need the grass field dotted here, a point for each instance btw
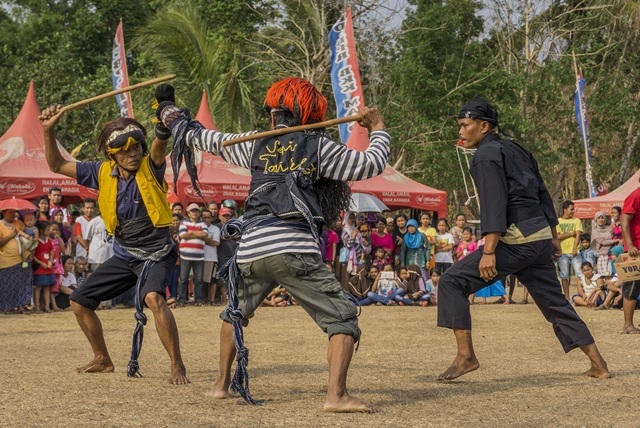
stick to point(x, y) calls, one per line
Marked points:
point(525, 379)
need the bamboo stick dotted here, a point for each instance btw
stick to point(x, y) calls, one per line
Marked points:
point(118, 91)
point(282, 131)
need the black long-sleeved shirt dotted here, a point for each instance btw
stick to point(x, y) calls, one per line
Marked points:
point(513, 197)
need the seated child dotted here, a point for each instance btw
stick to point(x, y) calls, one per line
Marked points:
point(431, 287)
point(590, 288)
point(386, 288)
point(613, 293)
point(362, 283)
point(277, 297)
point(67, 283)
point(415, 292)
point(80, 270)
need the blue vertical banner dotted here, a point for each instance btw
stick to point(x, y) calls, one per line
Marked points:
point(345, 81)
point(119, 75)
point(583, 125)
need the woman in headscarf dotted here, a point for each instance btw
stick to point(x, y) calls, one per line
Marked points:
point(601, 242)
point(415, 292)
point(415, 248)
point(352, 240)
point(57, 216)
point(15, 279)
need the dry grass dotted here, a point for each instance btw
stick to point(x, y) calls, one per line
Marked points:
point(525, 379)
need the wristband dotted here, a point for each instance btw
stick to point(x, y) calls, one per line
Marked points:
point(488, 254)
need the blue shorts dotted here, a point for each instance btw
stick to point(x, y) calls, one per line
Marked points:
point(44, 280)
point(564, 266)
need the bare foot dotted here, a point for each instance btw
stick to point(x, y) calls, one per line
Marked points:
point(630, 330)
point(219, 390)
point(347, 404)
point(97, 366)
point(459, 366)
point(601, 372)
point(179, 376)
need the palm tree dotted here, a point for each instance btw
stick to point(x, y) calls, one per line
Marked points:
point(179, 42)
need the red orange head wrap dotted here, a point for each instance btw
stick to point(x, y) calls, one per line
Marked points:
point(298, 96)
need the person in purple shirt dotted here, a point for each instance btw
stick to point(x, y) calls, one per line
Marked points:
point(131, 185)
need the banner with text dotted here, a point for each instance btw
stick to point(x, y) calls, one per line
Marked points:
point(583, 126)
point(119, 74)
point(345, 80)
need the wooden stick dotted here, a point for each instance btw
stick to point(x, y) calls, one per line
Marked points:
point(118, 91)
point(282, 131)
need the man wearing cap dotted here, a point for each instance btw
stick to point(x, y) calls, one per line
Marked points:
point(193, 234)
point(518, 224)
point(133, 204)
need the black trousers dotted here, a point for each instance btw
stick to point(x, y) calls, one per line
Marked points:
point(116, 276)
point(532, 264)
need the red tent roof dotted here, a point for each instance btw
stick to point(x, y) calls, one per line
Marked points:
point(219, 180)
point(24, 172)
point(398, 191)
point(587, 208)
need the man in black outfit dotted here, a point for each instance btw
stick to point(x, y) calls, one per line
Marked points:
point(518, 221)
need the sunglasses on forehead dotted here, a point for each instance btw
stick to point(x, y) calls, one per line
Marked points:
point(124, 139)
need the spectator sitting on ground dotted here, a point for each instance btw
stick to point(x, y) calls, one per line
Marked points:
point(68, 283)
point(277, 297)
point(432, 286)
point(613, 297)
point(80, 270)
point(590, 288)
point(362, 283)
point(386, 288)
point(415, 292)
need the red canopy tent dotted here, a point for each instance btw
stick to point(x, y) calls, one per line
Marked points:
point(24, 172)
point(398, 191)
point(218, 180)
point(587, 208)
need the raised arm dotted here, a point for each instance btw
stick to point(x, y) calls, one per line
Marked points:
point(49, 118)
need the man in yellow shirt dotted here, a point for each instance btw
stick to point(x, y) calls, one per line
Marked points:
point(569, 229)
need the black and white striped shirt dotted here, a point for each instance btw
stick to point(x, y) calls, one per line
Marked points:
point(336, 162)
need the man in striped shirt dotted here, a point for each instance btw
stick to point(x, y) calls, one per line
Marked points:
point(282, 248)
point(192, 234)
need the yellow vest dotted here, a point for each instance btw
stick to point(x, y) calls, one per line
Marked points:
point(154, 195)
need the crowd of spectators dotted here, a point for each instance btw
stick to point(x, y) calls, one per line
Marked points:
point(45, 254)
point(378, 259)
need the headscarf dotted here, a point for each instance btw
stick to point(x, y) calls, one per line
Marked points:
point(413, 240)
point(413, 283)
point(345, 223)
point(600, 234)
point(65, 234)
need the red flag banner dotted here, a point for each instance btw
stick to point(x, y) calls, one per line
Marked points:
point(345, 80)
point(119, 74)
